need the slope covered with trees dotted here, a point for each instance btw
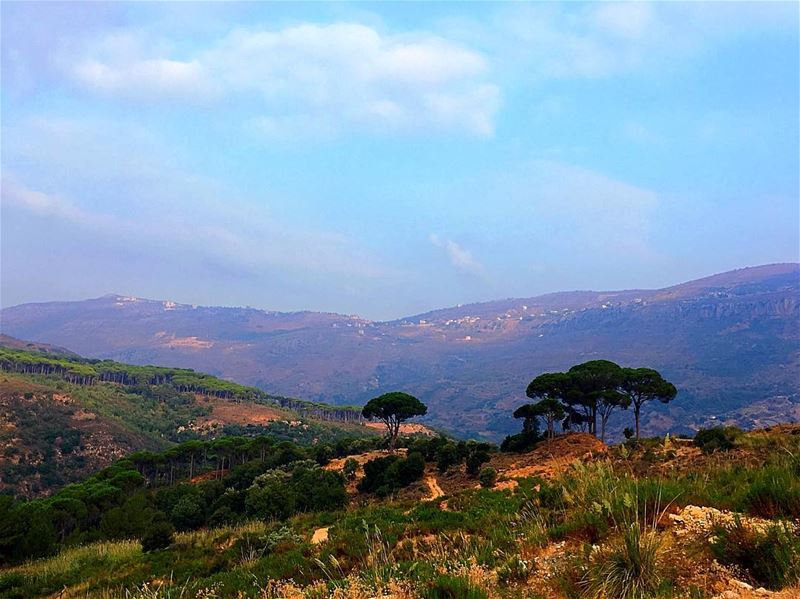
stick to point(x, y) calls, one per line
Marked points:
point(64, 416)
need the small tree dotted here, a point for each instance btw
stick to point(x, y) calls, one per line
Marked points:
point(529, 416)
point(350, 468)
point(487, 477)
point(393, 409)
point(158, 534)
point(641, 385)
point(477, 455)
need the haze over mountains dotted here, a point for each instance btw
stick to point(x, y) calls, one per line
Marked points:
point(729, 342)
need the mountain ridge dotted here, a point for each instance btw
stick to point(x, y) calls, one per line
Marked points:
point(731, 340)
point(776, 268)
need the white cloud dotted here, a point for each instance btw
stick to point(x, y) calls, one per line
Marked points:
point(626, 20)
point(534, 42)
point(460, 257)
point(139, 196)
point(152, 78)
point(345, 74)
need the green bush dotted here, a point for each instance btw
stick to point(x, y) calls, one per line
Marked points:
point(719, 438)
point(350, 468)
point(447, 456)
point(453, 587)
point(487, 477)
point(158, 535)
point(775, 493)
point(520, 442)
point(771, 557)
point(514, 570)
point(383, 476)
point(476, 458)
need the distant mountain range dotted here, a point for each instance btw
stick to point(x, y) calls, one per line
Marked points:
point(729, 342)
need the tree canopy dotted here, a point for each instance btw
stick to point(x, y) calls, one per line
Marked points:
point(393, 409)
point(590, 391)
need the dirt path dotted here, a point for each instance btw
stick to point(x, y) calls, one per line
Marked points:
point(434, 488)
point(320, 535)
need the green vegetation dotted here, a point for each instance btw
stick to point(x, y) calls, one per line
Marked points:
point(582, 395)
point(147, 494)
point(257, 515)
point(61, 427)
point(631, 567)
point(383, 476)
point(252, 525)
point(719, 438)
point(85, 371)
point(487, 477)
point(771, 557)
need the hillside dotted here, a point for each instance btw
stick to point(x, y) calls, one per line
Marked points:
point(572, 518)
point(63, 417)
point(729, 342)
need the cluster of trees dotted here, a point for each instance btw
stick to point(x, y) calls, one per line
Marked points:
point(88, 372)
point(447, 453)
point(584, 397)
point(148, 495)
point(215, 458)
point(384, 476)
point(82, 371)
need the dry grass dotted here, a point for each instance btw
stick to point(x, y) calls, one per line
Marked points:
point(71, 559)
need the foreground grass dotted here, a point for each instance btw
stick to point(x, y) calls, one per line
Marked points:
point(593, 532)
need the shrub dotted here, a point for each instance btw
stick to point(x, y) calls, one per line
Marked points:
point(775, 493)
point(771, 557)
point(476, 459)
point(350, 468)
point(222, 516)
point(323, 454)
point(447, 456)
point(487, 477)
point(454, 587)
point(514, 569)
point(383, 476)
point(720, 438)
point(520, 442)
point(630, 569)
point(158, 535)
point(282, 537)
point(187, 513)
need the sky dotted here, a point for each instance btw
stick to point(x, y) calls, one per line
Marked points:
point(387, 159)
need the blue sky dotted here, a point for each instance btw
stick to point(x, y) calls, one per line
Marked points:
point(385, 159)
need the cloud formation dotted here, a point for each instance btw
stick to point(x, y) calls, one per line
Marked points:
point(341, 74)
point(149, 202)
point(460, 257)
point(536, 42)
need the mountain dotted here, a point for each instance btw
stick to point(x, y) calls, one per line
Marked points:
point(45, 348)
point(729, 342)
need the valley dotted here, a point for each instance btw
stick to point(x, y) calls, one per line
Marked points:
point(729, 342)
